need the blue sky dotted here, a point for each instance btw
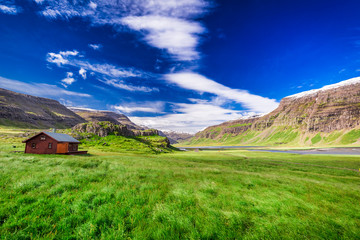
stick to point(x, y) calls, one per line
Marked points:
point(177, 64)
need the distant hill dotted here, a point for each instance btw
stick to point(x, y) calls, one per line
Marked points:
point(176, 137)
point(17, 109)
point(326, 116)
point(101, 116)
point(91, 115)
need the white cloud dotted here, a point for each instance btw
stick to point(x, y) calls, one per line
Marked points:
point(72, 58)
point(82, 73)
point(95, 46)
point(166, 24)
point(61, 58)
point(38, 89)
point(121, 85)
point(199, 83)
point(148, 107)
point(10, 9)
point(92, 5)
point(190, 117)
point(104, 71)
point(179, 37)
point(68, 80)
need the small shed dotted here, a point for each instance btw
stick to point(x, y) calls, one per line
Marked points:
point(52, 143)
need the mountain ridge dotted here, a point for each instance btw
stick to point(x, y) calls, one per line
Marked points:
point(25, 110)
point(333, 109)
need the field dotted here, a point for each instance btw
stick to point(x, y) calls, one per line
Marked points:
point(233, 194)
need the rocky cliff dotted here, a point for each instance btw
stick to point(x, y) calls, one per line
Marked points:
point(331, 109)
point(105, 128)
point(101, 116)
point(23, 110)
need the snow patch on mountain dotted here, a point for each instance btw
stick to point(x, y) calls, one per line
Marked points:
point(348, 82)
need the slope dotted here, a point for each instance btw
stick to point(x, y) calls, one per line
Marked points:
point(326, 116)
point(23, 110)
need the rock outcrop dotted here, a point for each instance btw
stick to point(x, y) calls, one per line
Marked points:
point(106, 128)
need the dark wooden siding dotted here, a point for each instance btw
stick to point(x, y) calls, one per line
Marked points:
point(42, 146)
point(73, 147)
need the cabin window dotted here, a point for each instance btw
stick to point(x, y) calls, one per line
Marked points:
point(33, 145)
point(42, 138)
point(50, 145)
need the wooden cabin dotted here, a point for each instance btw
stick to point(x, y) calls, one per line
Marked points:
point(52, 143)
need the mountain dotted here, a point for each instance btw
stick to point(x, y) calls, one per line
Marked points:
point(91, 115)
point(17, 109)
point(330, 115)
point(176, 137)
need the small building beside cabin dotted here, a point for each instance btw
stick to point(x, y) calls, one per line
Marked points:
point(52, 143)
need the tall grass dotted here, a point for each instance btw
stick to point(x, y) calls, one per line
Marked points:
point(183, 195)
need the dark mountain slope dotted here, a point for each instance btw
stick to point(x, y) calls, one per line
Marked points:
point(23, 110)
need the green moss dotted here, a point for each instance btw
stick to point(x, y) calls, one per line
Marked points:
point(350, 137)
point(282, 136)
point(332, 137)
point(316, 139)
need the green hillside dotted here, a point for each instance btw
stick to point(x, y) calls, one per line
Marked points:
point(278, 136)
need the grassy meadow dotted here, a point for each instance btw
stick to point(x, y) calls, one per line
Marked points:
point(232, 194)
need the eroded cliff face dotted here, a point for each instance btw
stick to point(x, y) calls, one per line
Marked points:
point(26, 110)
point(324, 111)
point(101, 116)
point(318, 111)
point(106, 128)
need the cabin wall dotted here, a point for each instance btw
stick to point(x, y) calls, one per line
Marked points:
point(41, 146)
point(62, 148)
point(73, 147)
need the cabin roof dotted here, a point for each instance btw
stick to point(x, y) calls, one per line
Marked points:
point(60, 137)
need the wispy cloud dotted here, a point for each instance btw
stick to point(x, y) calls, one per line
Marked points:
point(148, 107)
point(38, 89)
point(199, 83)
point(179, 37)
point(121, 85)
point(72, 58)
point(61, 58)
point(95, 46)
point(107, 73)
point(169, 25)
point(191, 117)
point(9, 7)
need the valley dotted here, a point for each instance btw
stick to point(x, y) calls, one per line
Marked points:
point(133, 184)
point(183, 195)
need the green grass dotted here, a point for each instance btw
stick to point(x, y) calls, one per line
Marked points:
point(182, 195)
point(351, 137)
point(140, 144)
point(317, 138)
